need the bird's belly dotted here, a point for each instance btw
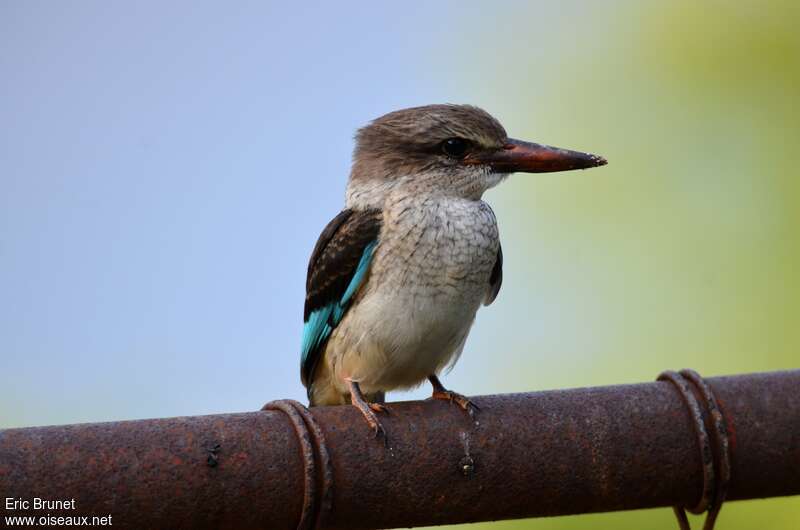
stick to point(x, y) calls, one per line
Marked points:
point(391, 342)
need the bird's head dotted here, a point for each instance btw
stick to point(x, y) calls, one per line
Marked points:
point(456, 150)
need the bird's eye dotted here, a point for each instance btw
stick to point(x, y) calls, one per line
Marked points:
point(455, 147)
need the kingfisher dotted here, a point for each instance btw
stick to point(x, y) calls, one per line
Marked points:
point(396, 278)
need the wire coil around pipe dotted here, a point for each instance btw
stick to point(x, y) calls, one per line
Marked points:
point(318, 491)
point(714, 447)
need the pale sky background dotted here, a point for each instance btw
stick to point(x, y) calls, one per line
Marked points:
point(166, 167)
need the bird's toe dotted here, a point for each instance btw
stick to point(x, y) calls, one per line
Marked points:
point(454, 397)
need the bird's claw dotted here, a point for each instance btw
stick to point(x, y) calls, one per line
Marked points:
point(379, 407)
point(368, 410)
point(372, 420)
point(379, 432)
point(454, 397)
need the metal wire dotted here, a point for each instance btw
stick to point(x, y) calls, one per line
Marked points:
point(308, 431)
point(715, 457)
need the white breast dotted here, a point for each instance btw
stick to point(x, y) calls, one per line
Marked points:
point(428, 278)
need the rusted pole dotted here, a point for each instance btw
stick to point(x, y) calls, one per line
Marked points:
point(525, 455)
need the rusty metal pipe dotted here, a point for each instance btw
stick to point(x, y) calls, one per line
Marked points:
point(527, 455)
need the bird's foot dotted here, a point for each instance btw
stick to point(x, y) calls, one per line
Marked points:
point(440, 392)
point(460, 400)
point(368, 410)
point(379, 407)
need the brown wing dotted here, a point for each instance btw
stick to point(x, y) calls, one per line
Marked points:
point(496, 279)
point(333, 266)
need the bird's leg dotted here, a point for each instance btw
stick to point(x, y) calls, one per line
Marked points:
point(367, 409)
point(440, 392)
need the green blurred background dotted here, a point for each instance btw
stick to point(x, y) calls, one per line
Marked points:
point(155, 225)
point(685, 250)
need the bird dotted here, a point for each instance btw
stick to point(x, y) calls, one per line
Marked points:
point(396, 278)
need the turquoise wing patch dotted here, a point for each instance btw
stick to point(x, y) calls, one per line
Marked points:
point(322, 321)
